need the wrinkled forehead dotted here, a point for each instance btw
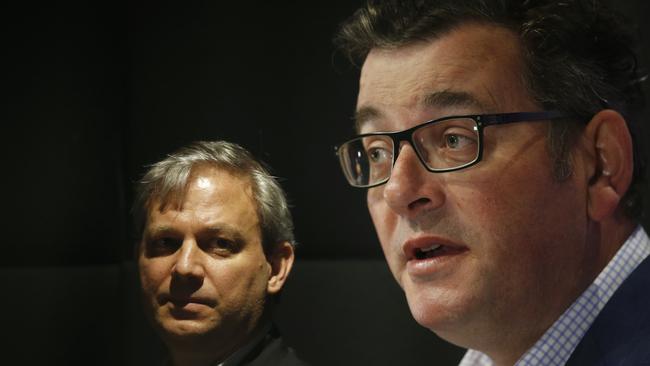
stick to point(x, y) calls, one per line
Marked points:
point(473, 67)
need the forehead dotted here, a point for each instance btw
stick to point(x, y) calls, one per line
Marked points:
point(474, 68)
point(211, 194)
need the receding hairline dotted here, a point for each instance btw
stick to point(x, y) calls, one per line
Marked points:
point(449, 97)
point(357, 55)
point(176, 196)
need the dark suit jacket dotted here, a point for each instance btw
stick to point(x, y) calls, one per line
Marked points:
point(620, 335)
point(271, 351)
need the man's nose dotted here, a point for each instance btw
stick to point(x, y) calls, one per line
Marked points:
point(411, 187)
point(189, 262)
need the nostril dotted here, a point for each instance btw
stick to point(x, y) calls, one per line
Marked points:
point(185, 285)
point(423, 201)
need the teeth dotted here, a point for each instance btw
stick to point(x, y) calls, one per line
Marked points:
point(431, 248)
point(427, 252)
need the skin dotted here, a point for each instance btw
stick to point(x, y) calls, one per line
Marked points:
point(205, 277)
point(524, 245)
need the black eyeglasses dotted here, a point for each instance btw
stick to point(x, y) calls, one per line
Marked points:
point(442, 145)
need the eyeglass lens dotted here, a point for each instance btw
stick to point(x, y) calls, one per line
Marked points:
point(442, 145)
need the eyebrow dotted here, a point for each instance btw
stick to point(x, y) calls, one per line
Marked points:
point(364, 115)
point(450, 98)
point(225, 229)
point(159, 230)
point(439, 99)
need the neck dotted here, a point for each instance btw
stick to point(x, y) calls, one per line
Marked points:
point(202, 353)
point(209, 352)
point(603, 239)
point(612, 234)
point(183, 358)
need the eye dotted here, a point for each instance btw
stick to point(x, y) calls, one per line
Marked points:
point(162, 246)
point(378, 155)
point(221, 246)
point(458, 140)
point(453, 141)
point(377, 150)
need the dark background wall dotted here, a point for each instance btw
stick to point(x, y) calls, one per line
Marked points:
point(96, 90)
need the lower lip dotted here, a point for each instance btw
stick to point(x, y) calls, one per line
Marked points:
point(427, 267)
point(186, 309)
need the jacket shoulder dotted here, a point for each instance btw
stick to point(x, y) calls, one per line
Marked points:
point(620, 335)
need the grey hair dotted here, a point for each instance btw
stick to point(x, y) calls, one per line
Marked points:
point(166, 181)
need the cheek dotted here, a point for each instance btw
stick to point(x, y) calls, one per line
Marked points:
point(152, 275)
point(520, 228)
point(382, 217)
point(241, 281)
point(385, 222)
point(486, 220)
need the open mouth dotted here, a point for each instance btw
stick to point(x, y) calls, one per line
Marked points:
point(435, 251)
point(429, 252)
point(428, 256)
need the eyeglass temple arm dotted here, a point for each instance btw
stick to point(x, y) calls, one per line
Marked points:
point(497, 119)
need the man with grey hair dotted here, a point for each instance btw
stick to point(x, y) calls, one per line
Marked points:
point(216, 246)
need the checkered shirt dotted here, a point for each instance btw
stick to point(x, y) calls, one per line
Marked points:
point(559, 341)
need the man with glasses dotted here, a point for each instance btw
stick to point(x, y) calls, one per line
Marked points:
point(494, 141)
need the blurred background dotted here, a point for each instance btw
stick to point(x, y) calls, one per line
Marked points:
point(97, 90)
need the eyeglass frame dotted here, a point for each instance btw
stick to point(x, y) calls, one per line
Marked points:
point(481, 120)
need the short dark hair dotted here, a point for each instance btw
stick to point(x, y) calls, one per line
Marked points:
point(167, 182)
point(579, 58)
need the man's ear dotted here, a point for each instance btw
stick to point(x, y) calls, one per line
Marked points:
point(611, 174)
point(281, 260)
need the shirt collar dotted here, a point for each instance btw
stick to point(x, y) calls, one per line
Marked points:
point(559, 341)
point(236, 358)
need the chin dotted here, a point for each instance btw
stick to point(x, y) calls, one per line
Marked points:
point(428, 315)
point(446, 315)
point(183, 331)
point(437, 311)
point(183, 327)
